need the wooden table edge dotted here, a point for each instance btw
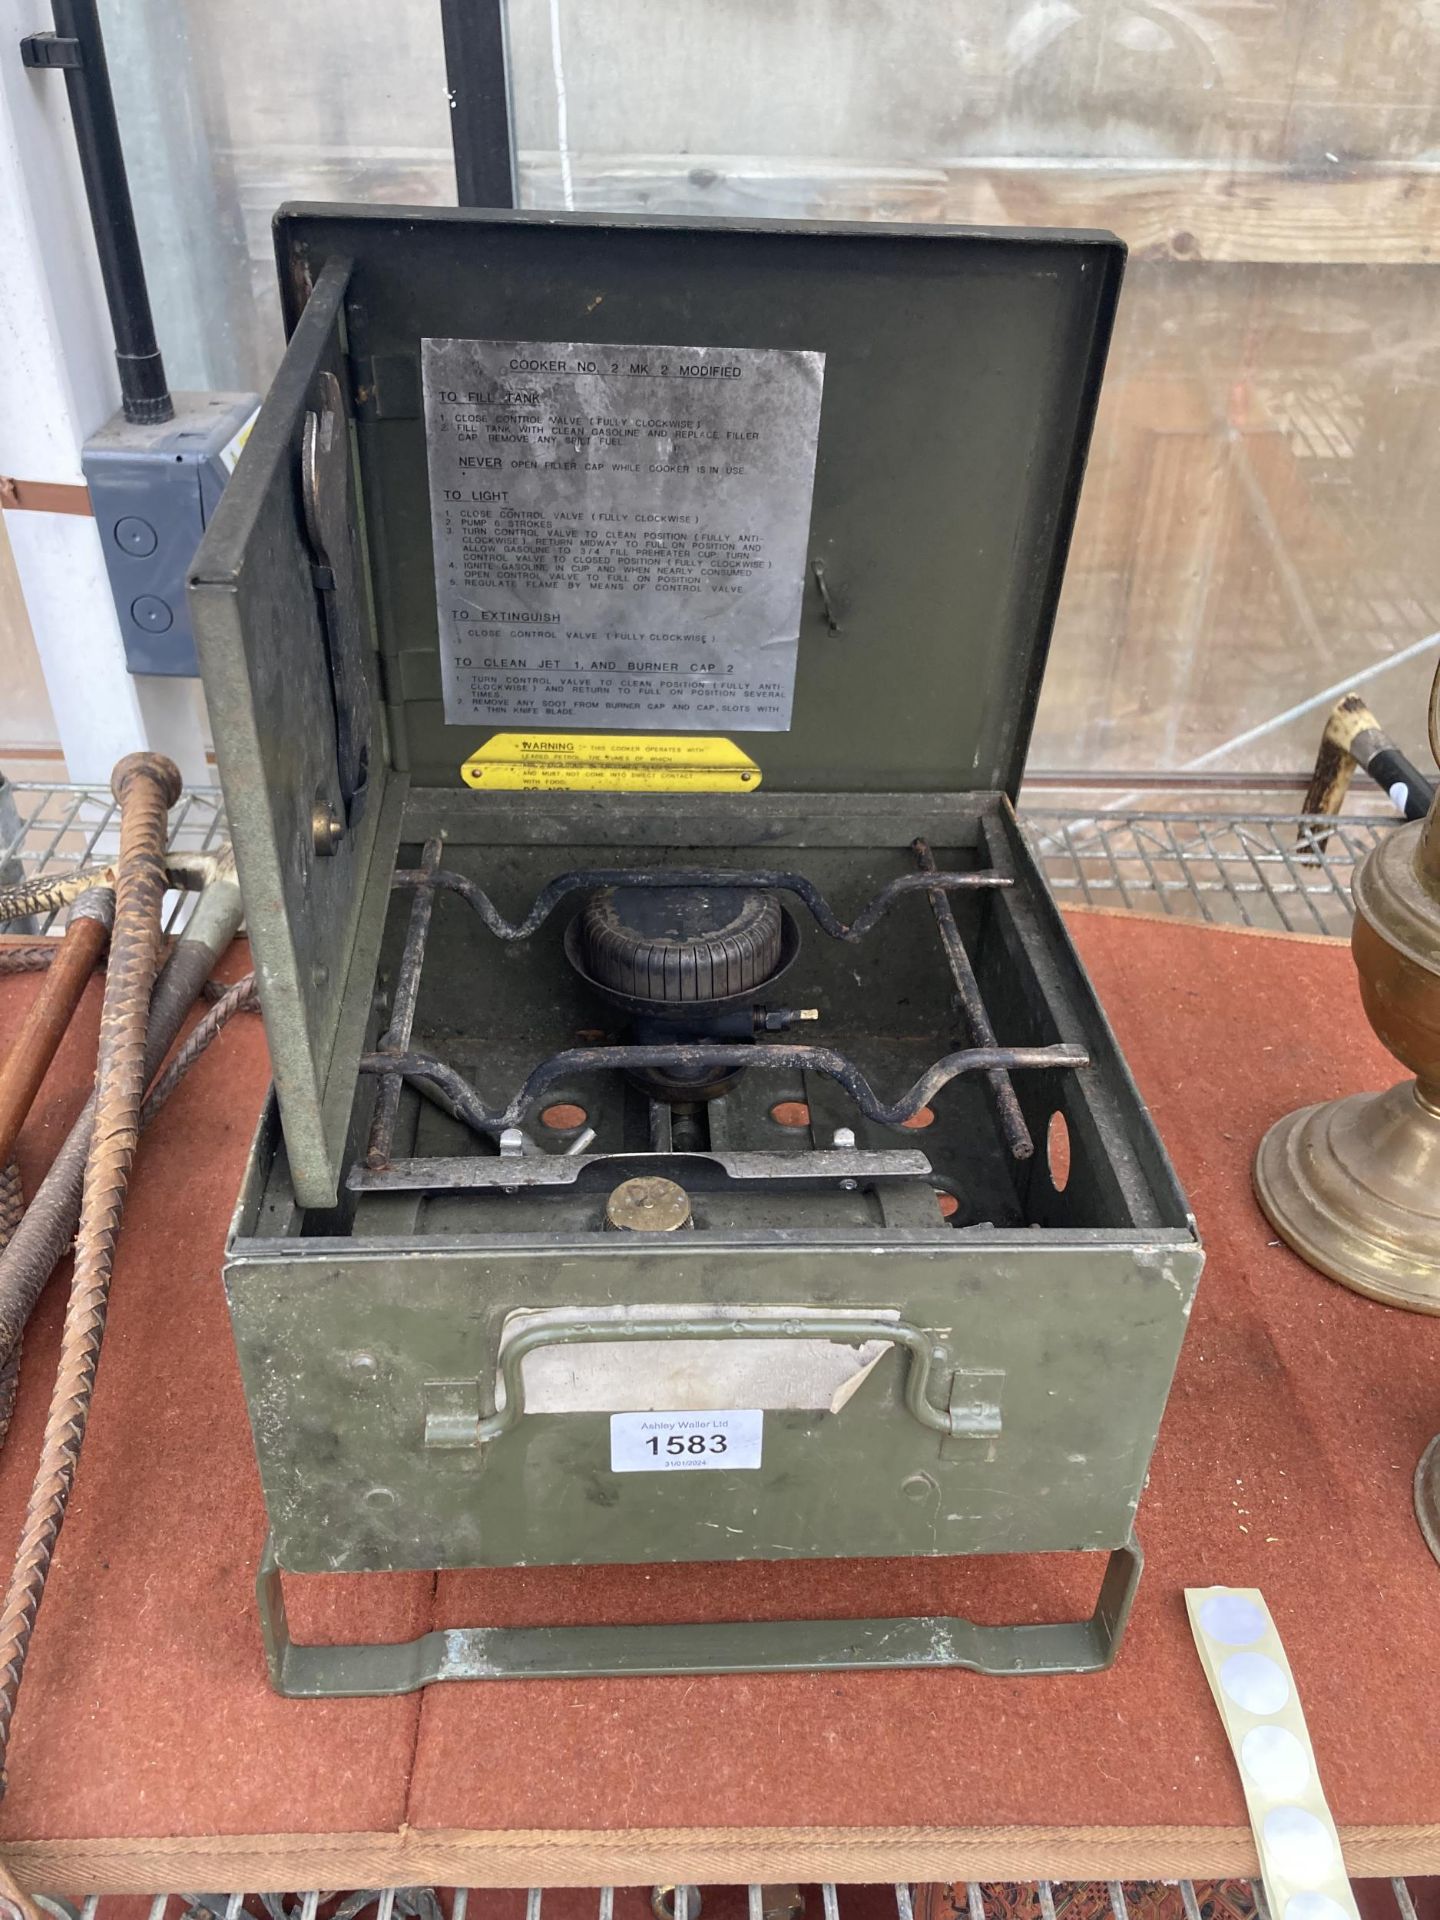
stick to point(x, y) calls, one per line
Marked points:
point(411, 1856)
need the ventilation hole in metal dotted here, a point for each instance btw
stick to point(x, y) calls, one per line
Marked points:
point(1057, 1152)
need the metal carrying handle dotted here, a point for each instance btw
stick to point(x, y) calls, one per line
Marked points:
point(920, 1345)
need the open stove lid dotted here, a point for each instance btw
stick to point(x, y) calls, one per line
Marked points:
point(961, 372)
point(905, 542)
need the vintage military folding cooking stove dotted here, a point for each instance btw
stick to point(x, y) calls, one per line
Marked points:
point(570, 1237)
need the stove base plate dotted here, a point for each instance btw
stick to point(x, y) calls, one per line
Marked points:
point(696, 1647)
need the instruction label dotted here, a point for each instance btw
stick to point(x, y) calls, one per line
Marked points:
point(620, 532)
point(613, 763)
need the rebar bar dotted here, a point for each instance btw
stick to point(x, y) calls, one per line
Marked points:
point(25, 1068)
point(239, 998)
point(47, 893)
point(48, 1227)
point(146, 787)
point(51, 1011)
point(51, 891)
point(12, 1212)
point(41, 1234)
point(29, 959)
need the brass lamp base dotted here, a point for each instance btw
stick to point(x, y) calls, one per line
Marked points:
point(1427, 1495)
point(1354, 1187)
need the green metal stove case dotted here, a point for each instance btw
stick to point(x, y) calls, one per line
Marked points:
point(694, 1136)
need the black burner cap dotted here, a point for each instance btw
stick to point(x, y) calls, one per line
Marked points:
point(674, 945)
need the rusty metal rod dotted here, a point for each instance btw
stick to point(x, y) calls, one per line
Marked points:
point(979, 1031)
point(146, 787)
point(70, 962)
point(12, 1212)
point(48, 1226)
point(396, 1037)
point(38, 1040)
point(28, 957)
point(241, 997)
point(700, 1056)
point(47, 893)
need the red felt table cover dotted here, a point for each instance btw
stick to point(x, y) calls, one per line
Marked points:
point(1284, 1462)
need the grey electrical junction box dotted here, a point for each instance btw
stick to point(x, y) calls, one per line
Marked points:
point(154, 490)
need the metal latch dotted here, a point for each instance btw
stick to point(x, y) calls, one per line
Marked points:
point(452, 1410)
point(975, 1402)
point(327, 488)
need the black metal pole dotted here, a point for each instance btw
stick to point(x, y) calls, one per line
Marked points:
point(477, 72)
point(78, 49)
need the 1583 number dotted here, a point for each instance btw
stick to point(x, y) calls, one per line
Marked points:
point(726, 1440)
point(687, 1443)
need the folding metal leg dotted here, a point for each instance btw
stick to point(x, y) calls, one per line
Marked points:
point(745, 1646)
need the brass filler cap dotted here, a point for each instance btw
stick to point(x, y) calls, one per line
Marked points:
point(648, 1205)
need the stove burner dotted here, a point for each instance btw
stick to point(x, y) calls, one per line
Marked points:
point(681, 945)
point(685, 963)
point(663, 1042)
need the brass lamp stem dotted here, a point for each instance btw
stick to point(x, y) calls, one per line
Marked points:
point(1354, 1185)
point(1428, 856)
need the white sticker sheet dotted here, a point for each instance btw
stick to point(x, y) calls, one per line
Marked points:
point(1254, 1688)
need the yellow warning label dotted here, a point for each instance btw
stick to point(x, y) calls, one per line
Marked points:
point(609, 763)
point(233, 448)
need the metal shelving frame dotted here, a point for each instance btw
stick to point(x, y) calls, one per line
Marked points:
point(1053, 1900)
point(1286, 873)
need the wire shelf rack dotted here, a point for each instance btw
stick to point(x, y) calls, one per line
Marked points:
point(962, 1900)
point(60, 829)
point(1285, 873)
